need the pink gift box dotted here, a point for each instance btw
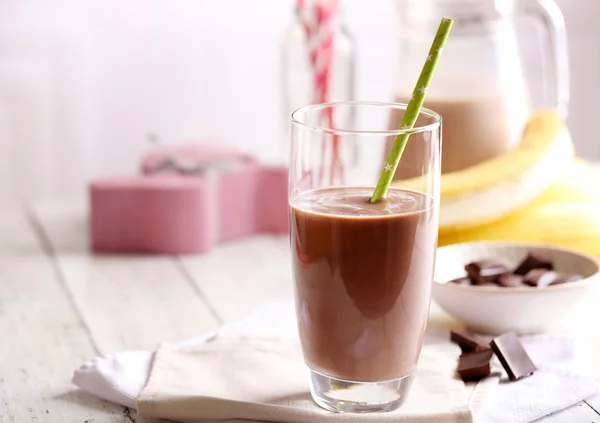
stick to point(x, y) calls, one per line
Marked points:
point(187, 199)
point(253, 200)
point(162, 214)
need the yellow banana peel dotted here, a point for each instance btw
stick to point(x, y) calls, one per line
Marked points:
point(500, 186)
point(538, 193)
point(567, 214)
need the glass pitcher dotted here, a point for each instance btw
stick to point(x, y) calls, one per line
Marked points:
point(504, 59)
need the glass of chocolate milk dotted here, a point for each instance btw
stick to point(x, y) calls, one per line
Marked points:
point(363, 271)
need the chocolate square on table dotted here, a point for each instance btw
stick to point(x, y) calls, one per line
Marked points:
point(467, 342)
point(473, 366)
point(487, 270)
point(512, 356)
point(534, 261)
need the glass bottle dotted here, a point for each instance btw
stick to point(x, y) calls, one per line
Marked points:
point(305, 57)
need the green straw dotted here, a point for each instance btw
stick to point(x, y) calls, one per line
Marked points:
point(412, 110)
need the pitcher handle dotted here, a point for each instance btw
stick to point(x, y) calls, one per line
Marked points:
point(550, 14)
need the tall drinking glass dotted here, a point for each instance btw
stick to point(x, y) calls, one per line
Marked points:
point(363, 271)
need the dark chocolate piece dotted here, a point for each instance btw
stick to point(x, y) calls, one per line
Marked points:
point(534, 261)
point(513, 356)
point(486, 270)
point(561, 278)
point(468, 343)
point(510, 280)
point(465, 280)
point(540, 278)
point(474, 365)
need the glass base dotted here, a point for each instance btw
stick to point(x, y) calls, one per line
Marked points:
point(345, 396)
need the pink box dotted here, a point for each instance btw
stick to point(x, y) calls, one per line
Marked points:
point(160, 214)
point(187, 199)
point(253, 200)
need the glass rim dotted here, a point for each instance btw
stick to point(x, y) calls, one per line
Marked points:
point(398, 106)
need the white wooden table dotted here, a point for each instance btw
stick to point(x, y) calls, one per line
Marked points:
point(60, 305)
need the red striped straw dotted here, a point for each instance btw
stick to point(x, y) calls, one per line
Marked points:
point(319, 20)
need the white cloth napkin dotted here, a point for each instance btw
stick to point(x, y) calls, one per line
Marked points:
point(563, 378)
point(265, 380)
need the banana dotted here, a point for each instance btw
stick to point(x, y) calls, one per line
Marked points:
point(566, 214)
point(498, 187)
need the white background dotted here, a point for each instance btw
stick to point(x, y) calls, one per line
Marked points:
point(85, 83)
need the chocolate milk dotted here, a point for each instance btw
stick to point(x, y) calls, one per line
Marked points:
point(474, 129)
point(363, 275)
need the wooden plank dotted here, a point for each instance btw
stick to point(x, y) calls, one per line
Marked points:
point(578, 413)
point(43, 337)
point(126, 301)
point(239, 276)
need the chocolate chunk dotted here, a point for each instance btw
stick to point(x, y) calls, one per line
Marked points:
point(561, 278)
point(534, 261)
point(540, 278)
point(468, 343)
point(474, 365)
point(461, 281)
point(510, 280)
point(486, 270)
point(513, 356)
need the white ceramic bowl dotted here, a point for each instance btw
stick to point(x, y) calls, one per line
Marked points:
point(498, 310)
